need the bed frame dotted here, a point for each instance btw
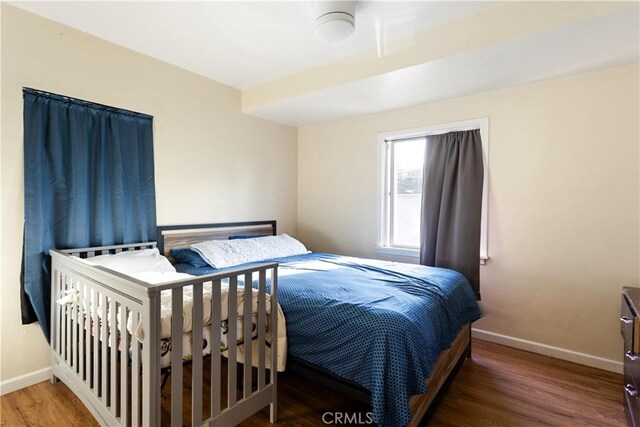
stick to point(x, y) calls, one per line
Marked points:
point(118, 377)
point(422, 405)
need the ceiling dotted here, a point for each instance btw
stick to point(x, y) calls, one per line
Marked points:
point(401, 54)
point(238, 43)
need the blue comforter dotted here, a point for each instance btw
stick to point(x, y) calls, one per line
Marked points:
point(378, 323)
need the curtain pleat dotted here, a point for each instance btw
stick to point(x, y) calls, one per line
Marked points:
point(89, 181)
point(452, 204)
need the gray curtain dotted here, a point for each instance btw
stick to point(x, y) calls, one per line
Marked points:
point(452, 204)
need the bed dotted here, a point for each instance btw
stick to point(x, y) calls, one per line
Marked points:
point(111, 329)
point(392, 334)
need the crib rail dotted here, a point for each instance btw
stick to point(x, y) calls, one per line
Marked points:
point(116, 372)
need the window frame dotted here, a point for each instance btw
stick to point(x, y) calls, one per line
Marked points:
point(385, 170)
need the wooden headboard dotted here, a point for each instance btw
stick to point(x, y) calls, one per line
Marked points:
point(181, 236)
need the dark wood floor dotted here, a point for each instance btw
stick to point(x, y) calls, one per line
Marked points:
point(498, 386)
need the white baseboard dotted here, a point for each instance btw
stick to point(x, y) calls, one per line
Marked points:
point(549, 350)
point(25, 380)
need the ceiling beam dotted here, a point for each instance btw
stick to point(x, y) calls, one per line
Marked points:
point(497, 24)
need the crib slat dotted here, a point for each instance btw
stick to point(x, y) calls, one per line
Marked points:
point(74, 329)
point(81, 323)
point(87, 335)
point(248, 332)
point(151, 362)
point(262, 278)
point(64, 322)
point(176, 357)
point(104, 344)
point(61, 316)
point(95, 335)
point(273, 375)
point(215, 348)
point(135, 371)
point(232, 342)
point(124, 364)
point(69, 321)
point(62, 313)
point(196, 378)
point(113, 340)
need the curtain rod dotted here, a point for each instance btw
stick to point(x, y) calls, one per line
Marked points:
point(84, 102)
point(408, 138)
point(424, 135)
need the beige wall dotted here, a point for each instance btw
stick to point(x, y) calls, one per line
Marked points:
point(212, 162)
point(563, 205)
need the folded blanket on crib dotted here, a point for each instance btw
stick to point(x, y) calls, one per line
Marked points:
point(187, 316)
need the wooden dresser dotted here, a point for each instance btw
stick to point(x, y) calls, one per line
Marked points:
point(630, 327)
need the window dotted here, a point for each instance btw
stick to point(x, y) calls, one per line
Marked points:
point(401, 161)
point(405, 191)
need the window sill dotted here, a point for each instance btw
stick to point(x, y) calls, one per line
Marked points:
point(410, 253)
point(404, 252)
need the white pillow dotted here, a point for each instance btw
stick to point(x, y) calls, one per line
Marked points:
point(130, 262)
point(227, 253)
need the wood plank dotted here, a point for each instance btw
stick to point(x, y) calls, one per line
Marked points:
point(420, 404)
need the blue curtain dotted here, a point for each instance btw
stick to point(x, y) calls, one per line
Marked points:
point(89, 181)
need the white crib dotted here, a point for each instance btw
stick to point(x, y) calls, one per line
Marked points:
point(118, 376)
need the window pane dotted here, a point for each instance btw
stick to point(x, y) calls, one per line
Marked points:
point(408, 157)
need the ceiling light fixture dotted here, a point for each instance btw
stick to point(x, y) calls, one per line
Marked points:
point(334, 20)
